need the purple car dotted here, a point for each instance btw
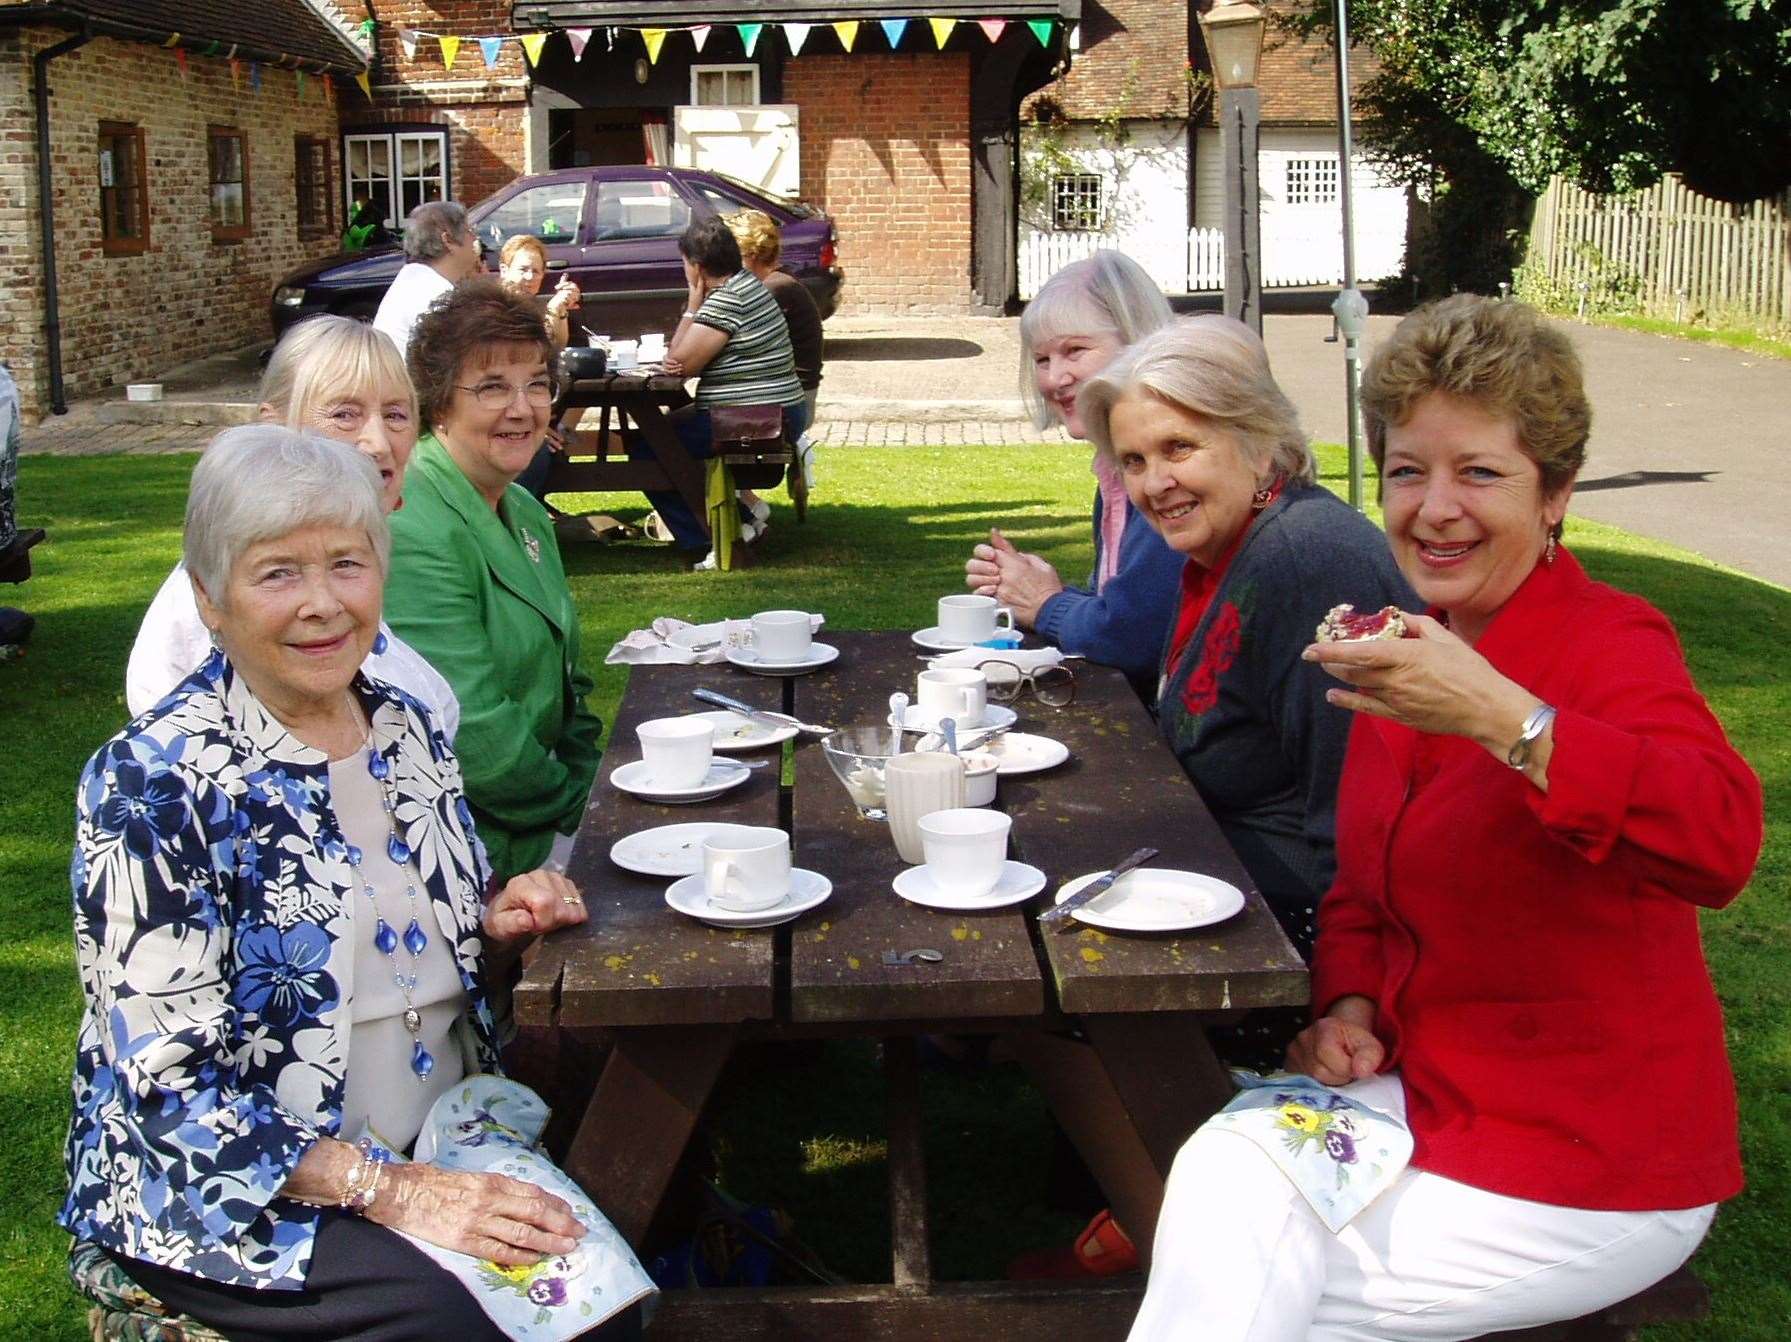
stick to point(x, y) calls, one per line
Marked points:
point(613, 229)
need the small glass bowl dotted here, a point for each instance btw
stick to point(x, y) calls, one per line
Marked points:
point(859, 755)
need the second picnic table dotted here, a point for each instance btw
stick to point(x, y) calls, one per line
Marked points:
point(1111, 1027)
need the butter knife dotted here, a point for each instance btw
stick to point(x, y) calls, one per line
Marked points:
point(1095, 888)
point(760, 714)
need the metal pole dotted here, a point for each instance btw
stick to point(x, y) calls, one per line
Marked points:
point(1350, 308)
point(46, 211)
point(1239, 132)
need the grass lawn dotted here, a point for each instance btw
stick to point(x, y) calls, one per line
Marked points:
point(878, 548)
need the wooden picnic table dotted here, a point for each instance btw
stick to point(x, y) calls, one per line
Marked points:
point(1111, 1027)
point(639, 402)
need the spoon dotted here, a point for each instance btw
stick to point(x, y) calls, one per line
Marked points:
point(948, 728)
point(898, 712)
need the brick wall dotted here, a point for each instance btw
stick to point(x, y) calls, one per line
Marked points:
point(484, 109)
point(127, 318)
point(886, 152)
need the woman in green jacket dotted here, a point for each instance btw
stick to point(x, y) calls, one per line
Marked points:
point(476, 584)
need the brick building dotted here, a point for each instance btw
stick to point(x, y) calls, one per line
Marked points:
point(183, 181)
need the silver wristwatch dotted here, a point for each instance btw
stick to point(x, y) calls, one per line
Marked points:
point(1534, 726)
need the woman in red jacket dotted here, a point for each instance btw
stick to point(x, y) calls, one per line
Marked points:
point(1535, 804)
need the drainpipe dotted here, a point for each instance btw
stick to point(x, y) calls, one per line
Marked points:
point(46, 210)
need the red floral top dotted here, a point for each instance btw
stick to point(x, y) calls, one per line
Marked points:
point(1220, 650)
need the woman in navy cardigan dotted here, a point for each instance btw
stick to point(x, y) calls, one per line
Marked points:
point(1081, 319)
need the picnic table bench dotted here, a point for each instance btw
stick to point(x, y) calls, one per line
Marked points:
point(1112, 1028)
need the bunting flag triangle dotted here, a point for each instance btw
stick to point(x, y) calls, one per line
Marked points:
point(655, 39)
point(992, 28)
point(408, 40)
point(578, 37)
point(700, 35)
point(255, 75)
point(300, 78)
point(798, 34)
point(1041, 29)
point(236, 76)
point(213, 49)
point(749, 34)
point(232, 52)
point(329, 90)
point(848, 32)
point(531, 46)
point(450, 49)
point(366, 83)
point(942, 31)
point(893, 30)
point(173, 40)
point(180, 59)
point(491, 48)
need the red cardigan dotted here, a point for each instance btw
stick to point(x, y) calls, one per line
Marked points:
point(1534, 956)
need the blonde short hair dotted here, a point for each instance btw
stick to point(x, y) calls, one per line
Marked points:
point(323, 356)
point(1214, 367)
point(757, 234)
point(522, 242)
point(1104, 294)
point(1505, 358)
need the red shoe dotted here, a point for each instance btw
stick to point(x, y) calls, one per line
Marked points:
point(1101, 1250)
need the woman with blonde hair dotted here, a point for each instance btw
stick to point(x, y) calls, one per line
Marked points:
point(338, 378)
point(1082, 318)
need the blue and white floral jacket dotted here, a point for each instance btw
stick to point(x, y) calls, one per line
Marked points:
point(212, 896)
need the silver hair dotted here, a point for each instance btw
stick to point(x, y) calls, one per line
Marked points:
point(1104, 294)
point(428, 225)
point(259, 482)
point(327, 356)
point(1214, 367)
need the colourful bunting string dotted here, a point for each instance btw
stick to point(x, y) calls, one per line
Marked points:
point(848, 32)
point(173, 40)
point(1041, 29)
point(408, 41)
point(450, 49)
point(655, 39)
point(578, 37)
point(491, 48)
point(992, 28)
point(180, 59)
point(531, 46)
point(798, 34)
point(893, 30)
point(749, 34)
point(366, 84)
point(700, 35)
point(942, 31)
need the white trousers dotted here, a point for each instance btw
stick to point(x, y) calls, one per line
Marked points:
point(1241, 1257)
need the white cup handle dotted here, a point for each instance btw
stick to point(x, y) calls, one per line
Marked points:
point(1004, 618)
point(969, 709)
point(715, 877)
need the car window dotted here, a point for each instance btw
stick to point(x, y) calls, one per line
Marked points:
point(639, 210)
point(721, 202)
point(551, 213)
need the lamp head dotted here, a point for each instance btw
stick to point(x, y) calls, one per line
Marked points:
point(1234, 32)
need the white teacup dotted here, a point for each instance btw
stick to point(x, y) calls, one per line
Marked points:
point(782, 635)
point(746, 867)
point(622, 354)
point(965, 849)
point(652, 348)
point(677, 750)
point(968, 618)
point(952, 692)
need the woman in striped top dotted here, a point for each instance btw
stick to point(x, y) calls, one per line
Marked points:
point(733, 339)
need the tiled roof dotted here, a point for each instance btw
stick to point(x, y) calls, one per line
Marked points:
point(1131, 61)
point(1298, 79)
point(264, 29)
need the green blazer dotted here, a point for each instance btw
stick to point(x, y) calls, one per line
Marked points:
point(483, 596)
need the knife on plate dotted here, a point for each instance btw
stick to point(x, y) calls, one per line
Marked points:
point(721, 700)
point(1095, 888)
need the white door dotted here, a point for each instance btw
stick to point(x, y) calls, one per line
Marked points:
point(758, 145)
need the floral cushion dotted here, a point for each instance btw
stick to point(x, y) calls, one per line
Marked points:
point(122, 1310)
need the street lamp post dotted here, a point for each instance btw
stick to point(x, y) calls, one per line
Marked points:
point(1234, 32)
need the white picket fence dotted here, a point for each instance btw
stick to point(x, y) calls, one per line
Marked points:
point(1292, 254)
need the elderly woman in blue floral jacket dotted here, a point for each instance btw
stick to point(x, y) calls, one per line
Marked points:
point(281, 921)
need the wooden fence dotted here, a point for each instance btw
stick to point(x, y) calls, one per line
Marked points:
point(1668, 252)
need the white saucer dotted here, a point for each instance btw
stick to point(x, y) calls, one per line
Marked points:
point(994, 715)
point(1024, 753)
point(736, 732)
point(666, 850)
point(1018, 882)
point(1151, 899)
point(807, 890)
point(934, 640)
point(722, 775)
point(819, 655)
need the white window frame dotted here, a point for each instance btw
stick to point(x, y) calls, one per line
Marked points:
point(1077, 182)
point(1307, 177)
point(696, 71)
point(393, 140)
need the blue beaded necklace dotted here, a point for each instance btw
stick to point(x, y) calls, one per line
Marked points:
point(385, 940)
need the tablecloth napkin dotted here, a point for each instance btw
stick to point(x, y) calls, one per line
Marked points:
point(1027, 659)
point(653, 645)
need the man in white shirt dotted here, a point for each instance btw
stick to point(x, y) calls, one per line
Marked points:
point(440, 250)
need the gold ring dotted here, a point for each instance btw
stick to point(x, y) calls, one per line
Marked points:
point(569, 899)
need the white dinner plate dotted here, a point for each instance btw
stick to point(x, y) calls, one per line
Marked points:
point(1024, 753)
point(994, 715)
point(1151, 899)
point(1018, 882)
point(819, 655)
point(735, 732)
point(722, 775)
point(667, 850)
point(808, 889)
